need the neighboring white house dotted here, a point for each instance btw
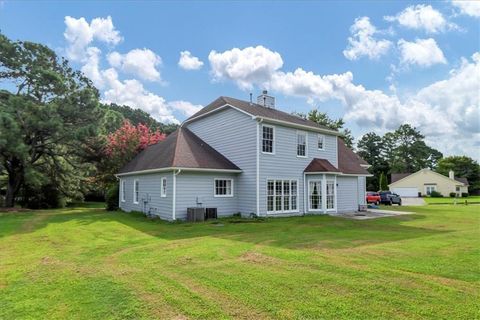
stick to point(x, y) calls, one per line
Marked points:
point(239, 156)
point(425, 181)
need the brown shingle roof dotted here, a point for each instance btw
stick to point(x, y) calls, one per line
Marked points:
point(183, 149)
point(348, 161)
point(462, 180)
point(259, 111)
point(320, 165)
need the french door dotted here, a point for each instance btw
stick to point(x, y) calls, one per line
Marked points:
point(321, 195)
point(282, 196)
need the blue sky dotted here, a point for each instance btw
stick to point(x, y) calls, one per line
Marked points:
point(406, 62)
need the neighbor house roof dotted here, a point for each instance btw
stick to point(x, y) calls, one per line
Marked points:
point(258, 110)
point(181, 149)
point(348, 162)
point(399, 176)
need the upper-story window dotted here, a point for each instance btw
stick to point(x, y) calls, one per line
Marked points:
point(321, 142)
point(301, 144)
point(164, 187)
point(136, 186)
point(268, 135)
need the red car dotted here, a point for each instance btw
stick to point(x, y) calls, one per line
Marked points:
point(373, 197)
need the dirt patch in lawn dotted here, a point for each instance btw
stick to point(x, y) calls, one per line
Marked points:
point(257, 258)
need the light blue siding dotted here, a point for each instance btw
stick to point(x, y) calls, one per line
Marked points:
point(233, 134)
point(150, 200)
point(284, 163)
point(193, 187)
point(347, 194)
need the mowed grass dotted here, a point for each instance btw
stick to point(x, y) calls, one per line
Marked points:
point(448, 200)
point(86, 263)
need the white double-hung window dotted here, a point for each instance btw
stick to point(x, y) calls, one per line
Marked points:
point(136, 186)
point(268, 136)
point(282, 196)
point(164, 187)
point(223, 188)
point(301, 144)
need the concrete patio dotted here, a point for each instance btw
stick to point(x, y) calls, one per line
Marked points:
point(373, 214)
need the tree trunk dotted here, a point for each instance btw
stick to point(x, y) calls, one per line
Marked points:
point(15, 179)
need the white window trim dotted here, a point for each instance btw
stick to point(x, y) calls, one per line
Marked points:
point(122, 190)
point(321, 194)
point(430, 185)
point(334, 180)
point(266, 196)
point(306, 143)
point(135, 191)
point(163, 190)
point(323, 143)
point(274, 139)
point(222, 195)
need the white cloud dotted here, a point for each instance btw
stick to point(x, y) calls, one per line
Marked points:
point(187, 108)
point(422, 17)
point(363, 43)
point(79, 34)
point(246, 67)
point(132, 93)
point(189, 62)
point(422, 52)
point(91, 67)
point(470, 8)
point(139, 62)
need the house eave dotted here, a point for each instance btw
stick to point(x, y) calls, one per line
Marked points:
point(177, 168)
point(342, 174)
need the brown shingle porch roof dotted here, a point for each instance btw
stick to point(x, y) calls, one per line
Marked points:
point(181, 149)
point(320, 165)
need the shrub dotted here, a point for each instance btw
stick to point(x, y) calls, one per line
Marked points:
point(111, 198)
point(464, 194)
point(453, 194)
point(435, 194)
point(44, 197)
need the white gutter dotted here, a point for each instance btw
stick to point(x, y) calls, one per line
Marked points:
point(177, 168)
point(174, 204)
point(301, 126)
point(342, 174)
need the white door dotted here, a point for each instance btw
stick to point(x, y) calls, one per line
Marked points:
point(406, 192)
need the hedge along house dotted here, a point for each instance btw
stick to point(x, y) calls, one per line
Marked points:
point(239, 156)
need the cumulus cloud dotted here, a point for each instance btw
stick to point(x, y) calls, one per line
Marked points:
point(422, 17)
point(469, 8)
point(185, 107)
point(132, 93)
point(138, 62)
point(246, 67)
point(189, 62)
point(363, 43)
point(79, 34)
point(422, 52)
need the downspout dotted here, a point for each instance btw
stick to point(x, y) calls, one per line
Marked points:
point(174, 204)
point(258, 166)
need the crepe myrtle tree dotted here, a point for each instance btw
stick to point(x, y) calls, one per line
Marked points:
point(45, 117)
point(123, 145)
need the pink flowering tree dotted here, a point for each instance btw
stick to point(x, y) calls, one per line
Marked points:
point(126, 142)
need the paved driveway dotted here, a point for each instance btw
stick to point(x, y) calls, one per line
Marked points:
point(413, 202)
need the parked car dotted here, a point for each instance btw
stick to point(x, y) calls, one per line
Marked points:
point(373, 197)
point(389, 198)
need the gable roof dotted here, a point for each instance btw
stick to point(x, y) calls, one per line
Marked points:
point(348, 161)
point(260, 111)
point(181, 149)
point(399, 176)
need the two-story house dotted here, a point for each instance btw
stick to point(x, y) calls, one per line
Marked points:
point(239, 156)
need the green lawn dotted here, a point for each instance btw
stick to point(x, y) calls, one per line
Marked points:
point(448, 200)
point(85, 263)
